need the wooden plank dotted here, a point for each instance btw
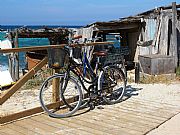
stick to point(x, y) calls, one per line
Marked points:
point(135, 112)
point(35, 48)
point(163, 45)
point(3, 133)
point(97, 121)
point(114, 121)
point(34, 126)
point(75, 124)
point(20, 129)
point(62, 129)
point(22, 81)
point(47, 128)
point(155, 112)
point(98, 125)
point(152, 105)
point(32, 111)
point(138, 113)
point(9, 131)
point(143, 112)
point(148, 101)
point(129, 118)
point(65, 124)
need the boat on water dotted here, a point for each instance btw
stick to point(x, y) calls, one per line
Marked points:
point(5, 78)
point(4, 31)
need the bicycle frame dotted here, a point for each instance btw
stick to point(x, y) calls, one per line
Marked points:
point(81, 73)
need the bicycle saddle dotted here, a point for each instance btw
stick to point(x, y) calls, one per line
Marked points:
point(100, 53)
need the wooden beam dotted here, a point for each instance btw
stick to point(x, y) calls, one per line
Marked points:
point(35, 48)
point(22, 81)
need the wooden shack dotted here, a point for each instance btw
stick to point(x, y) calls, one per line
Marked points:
point(154, 32)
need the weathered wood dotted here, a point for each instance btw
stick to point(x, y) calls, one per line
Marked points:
point(55, 88)
point(15, 116)
point(10, 64)
point(163, 44)
point(16, 58)
point(8, 131)
point(157, 64)
point(158, 35)
point(35, 48)
point(174, 33)
point(9, 56)
point(21, 129)
point(22, 81)
point(63, 129)
point(133, 116)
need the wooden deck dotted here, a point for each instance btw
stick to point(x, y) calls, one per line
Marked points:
point(134, 116)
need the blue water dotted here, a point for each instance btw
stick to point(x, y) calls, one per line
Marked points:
point(24, 42)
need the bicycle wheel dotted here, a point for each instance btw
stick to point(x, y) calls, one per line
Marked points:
point(112, 84)
point(71, 93)
point(85, 81)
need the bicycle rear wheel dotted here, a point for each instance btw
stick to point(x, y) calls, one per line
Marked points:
point(71, 93)
point(113, 84)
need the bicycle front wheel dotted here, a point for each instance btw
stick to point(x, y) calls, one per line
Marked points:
point(113, 84)
point(71, 93)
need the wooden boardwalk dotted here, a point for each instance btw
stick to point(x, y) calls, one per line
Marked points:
point(134, 116)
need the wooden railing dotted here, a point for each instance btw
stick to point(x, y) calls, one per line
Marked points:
point(8, 93)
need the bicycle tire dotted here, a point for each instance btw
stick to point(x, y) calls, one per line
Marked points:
point(112, 84)
point(84, 81)
point(63, 110)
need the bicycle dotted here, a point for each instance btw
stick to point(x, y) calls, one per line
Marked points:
point(76, 76)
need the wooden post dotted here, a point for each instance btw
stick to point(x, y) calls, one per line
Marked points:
point(137, 73)
point(55, 83)
point(10, 55)
point(55, 88)
point(16, 57)
point(174, 33)
point(10, 64)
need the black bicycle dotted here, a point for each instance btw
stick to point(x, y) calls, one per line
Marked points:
point(80, 84)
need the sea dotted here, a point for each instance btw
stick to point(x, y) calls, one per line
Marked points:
point(23, 42)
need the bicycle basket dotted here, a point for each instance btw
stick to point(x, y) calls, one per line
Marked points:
point(56, 57)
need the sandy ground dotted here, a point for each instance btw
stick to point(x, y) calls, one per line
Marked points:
point(162, 93)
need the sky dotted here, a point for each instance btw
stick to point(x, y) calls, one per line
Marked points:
point(72, 12)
